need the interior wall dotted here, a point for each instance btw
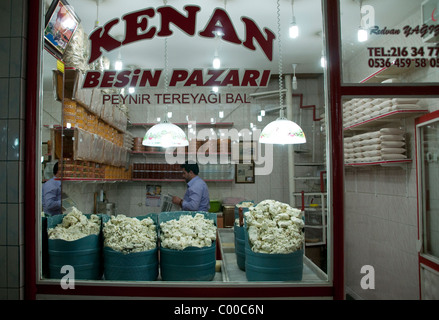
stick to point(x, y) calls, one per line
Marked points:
point(381, 202)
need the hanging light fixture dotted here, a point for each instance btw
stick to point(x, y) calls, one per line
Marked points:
point(165, 134)
point(294, 77)
point(294, 28)
point(362, 31)
point(282, 130)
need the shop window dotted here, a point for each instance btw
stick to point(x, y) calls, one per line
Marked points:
point(389, 41)
point(112, 85)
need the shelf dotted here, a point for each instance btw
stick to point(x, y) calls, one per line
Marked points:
point(93, 180)
point(390, 163)
point(388, 117)
point(387, 73)
point(187, 153)
point(182, 180)
point(217, 124)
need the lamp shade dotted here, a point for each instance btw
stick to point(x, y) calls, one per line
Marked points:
point(282, 131)
point(165, 135)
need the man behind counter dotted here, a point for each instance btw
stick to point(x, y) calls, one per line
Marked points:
point(51, 193)
point(196, 197)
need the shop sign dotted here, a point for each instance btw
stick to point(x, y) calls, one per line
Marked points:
point(137, 29)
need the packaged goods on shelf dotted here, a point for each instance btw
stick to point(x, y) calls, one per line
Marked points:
point(382, 145)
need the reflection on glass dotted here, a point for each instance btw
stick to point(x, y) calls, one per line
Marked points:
point(389, 41)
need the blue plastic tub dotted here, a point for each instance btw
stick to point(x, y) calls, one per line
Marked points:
point(136, 266)
point(243, 209)
point(272, 267)
point(239, 246)
point(84, 255)
point(192, 263)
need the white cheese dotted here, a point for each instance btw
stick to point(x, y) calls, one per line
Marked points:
point(187, 231)
point(74, 226)
point(274, 227)
point(127, 234)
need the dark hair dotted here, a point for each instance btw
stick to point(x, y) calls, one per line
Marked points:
point(191, 167)
point(55, 169)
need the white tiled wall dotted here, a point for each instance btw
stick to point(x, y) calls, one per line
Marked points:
point(13, 32)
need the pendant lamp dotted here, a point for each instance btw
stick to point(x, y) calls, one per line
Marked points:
point(282, 130)
point(165, 134)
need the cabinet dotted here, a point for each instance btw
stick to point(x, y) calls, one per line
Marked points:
point(153, 166)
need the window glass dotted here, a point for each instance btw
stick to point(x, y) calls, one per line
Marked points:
point(214, 73)
point(428, 161)
point(389, 41)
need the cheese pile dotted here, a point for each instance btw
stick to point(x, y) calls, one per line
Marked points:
point(274, 227)
point(245, 204)
point(187, 231)
point(75, 225)
point(126, 234)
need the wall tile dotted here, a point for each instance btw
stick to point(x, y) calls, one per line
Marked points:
point(3, 266)
point(4, 97)
point(3, 139)
point(12, 175)
point(14, 140)
point(3, 181)
point(4, 56)
point(16, 89)
point(3, 224)
point(5, 18)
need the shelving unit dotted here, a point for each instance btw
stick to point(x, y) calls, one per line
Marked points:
point(206, 171)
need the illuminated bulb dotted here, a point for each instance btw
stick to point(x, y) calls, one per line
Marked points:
point(158, 119)
point(169, 114)
point(263, 113)
point(131, 90)
point(69, 125)
point(362, 35)
point(294, 30)
point(216, 63)
point(221, 114)
point(260, 118)
point(215, 89)
point(118, 65)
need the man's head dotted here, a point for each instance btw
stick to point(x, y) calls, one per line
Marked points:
point(55, 169)
point(190, 170)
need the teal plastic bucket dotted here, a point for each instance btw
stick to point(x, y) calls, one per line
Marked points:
point(191, 263)
point(239, 246)
point(272, 267)
point(135, 266)
point(84, 255)
point(244, 209)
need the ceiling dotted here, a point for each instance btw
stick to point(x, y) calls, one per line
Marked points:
point(196, 52)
